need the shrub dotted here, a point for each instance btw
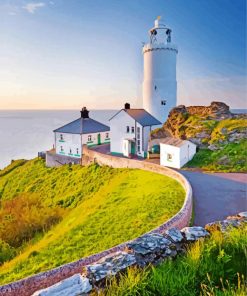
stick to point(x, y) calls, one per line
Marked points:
point(24, 216)
point(6, 252)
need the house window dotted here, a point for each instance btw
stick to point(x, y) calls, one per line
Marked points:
point(61, 148)
point(89, 138)
point(61, 137)
point(138, 139)
point(163, 102)
point(77, 151)
point(70, 151)
point(138, 145)
point(107, 135)
point(169, 157)
point(127, 129)
point(132, 130)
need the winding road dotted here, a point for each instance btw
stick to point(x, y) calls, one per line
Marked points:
point(217, 195)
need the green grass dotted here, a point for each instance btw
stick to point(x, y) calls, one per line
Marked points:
point(104, 207)
point(214, 267)
point(231, 158)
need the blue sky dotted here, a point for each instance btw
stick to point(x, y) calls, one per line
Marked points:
point(68, 53)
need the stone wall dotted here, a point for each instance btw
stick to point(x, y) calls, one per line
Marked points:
point(147, 249)
point(56, 160)
point(28, 286)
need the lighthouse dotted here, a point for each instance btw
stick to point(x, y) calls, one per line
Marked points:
point(159, 81)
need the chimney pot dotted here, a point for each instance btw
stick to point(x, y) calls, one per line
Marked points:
point(126, 106)
point(84, 113)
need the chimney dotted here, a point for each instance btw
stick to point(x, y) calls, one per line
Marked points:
point(84, 113)
point(126, 106)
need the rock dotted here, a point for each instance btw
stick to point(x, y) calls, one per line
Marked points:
point(213, 147)
point(150, 247)
point(149, 243)
point(108, 266)
point(224, 160)
point(242, 214)
point(174, 235)
point(194, 233)
point(222, 226)
point(75, 285)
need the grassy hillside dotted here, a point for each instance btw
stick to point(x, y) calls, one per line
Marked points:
point(231, 158)
point(214, 267)
point(221, 143)
point(51, 216)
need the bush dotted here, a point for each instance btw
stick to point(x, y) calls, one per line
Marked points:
point(6, 252)
point(24, 216)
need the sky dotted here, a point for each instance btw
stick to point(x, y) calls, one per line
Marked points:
point(65, 54)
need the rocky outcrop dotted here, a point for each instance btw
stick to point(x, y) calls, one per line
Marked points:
point(149, 248)
point(216, 110)
point(196, 124)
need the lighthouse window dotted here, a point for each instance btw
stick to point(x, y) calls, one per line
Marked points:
point(127, 129)
point(163, 102)
point(132, 129)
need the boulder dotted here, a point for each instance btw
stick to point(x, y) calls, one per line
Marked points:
point(194, 233)
point(108, 266)
point(174, 235)
point(75, 285)
point(222, 226)
point(243, 214)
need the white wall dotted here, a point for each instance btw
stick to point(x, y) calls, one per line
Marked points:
point(75, 141)
point(187, 152)
point(180, 155)
point(119, 133)
point(70, 141)
point(118, 126)
point(159, 71)
point(174, 151)
point(94, 138)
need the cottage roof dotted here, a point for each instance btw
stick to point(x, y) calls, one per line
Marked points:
point(83, 126)
point(173, 141)
point(141, 116)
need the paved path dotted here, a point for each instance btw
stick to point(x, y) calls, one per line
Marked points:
point(217, 195)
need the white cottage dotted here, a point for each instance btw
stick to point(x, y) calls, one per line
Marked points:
point(130, 130)
point(70, 138)
point(176, 153)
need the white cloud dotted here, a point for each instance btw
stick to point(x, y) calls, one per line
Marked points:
point(32, 7)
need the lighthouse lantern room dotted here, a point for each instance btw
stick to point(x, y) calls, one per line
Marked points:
point(159, 82)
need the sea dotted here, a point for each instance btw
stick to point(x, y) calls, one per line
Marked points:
point(24, 133)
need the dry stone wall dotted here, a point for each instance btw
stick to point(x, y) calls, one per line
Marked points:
point(152, 245)
point(149, 248)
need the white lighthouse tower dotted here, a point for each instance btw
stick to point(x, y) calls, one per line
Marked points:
point(159, 82)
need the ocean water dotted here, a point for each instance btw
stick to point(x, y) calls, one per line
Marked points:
point(24, 133)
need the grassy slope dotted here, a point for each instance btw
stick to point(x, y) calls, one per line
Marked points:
point(231, 157)
point(107, 206)
point(214, 267)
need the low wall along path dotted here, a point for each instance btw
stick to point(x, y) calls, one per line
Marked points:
point(28, 286)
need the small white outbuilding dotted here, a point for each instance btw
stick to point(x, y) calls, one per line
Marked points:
point(175, 152)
